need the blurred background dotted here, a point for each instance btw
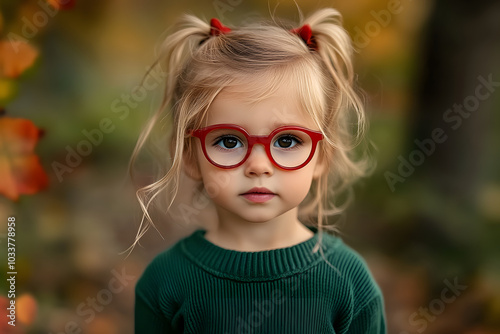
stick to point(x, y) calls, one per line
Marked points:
point(427, 221)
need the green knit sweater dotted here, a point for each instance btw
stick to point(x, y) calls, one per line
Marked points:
point(199, 287)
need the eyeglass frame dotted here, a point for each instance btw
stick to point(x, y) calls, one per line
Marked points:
point(315, 136)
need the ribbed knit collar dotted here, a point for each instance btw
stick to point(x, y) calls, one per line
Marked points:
point(254, 266)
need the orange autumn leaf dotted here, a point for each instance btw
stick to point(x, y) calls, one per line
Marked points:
point(20, 168)
point(26, 308)
point(15, 58)
point(62, 4)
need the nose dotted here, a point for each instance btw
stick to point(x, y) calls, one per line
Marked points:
point(258, 162)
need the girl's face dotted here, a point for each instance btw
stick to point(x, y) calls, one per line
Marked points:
point(257, 191)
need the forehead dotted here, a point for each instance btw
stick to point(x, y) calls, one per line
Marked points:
point(258, 113)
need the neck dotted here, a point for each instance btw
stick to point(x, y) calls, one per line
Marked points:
point(240, 235)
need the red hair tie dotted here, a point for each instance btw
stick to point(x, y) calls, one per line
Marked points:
point(305, 33)
point(217, 28)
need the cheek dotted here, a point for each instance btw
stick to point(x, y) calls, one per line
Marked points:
point(215, 180)
point(297, 185)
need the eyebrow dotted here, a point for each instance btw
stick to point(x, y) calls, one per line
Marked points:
point(273, 126)
point(280, 124)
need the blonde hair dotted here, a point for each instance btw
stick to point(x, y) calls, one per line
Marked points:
point(199, 66)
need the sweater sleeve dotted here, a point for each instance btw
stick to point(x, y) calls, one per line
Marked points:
point(369, 320)
point(365, 312)
point(149, 318)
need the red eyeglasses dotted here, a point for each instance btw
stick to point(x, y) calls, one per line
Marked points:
point(229, 146)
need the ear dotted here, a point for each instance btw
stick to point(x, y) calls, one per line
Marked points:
point(321, 166)
point(319, 170)
point(191, 166)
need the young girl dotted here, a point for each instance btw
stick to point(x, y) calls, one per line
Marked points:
point(269, 109)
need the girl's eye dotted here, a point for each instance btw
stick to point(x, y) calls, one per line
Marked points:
point(287, 141)
point(228, 142)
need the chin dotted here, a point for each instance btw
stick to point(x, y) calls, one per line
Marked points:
point(259, 221)
point(255, 219)
point(259, 218)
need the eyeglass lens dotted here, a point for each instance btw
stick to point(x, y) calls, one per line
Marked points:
point(228, 147)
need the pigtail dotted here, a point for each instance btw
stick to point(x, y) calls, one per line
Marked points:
point(336, 51)
point(176, 50)
point(344, 123)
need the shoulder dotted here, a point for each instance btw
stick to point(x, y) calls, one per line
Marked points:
point(350, 264)
point(161, 272)
point(166, 262)
point(158, 286)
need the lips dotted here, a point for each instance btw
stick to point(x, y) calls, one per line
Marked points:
point(258, 195)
